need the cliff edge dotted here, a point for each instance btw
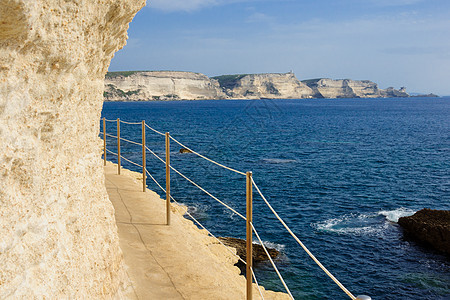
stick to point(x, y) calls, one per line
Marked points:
point(58, 236)
point(258, 86)
point(347, 88)
point(160, 85)
point(171, 85)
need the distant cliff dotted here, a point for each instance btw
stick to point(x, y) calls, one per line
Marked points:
point(170, 85)
point(160, 85)
point(347, 88)
point(270, 85)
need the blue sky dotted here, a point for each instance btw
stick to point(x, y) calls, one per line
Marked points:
point(392, 42)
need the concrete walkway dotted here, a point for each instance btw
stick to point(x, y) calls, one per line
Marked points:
point(178, 261)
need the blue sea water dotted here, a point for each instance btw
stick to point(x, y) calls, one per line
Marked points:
point(339, 171)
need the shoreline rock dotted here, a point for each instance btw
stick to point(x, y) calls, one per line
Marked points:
point(184, 150)
point(259, 255)
point(430, 227)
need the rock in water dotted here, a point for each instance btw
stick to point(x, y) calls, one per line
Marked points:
point(259, 255)
point(58, 237)
point(184, 150)
point(429, 226)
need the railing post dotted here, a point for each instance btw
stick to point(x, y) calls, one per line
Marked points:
point(168, 178)
point(104, 141)
point(144, 181)
point(118, 146)
point(249, 193)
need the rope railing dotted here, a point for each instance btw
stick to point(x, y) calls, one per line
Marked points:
point(208, 193)
point(154, 130)
point(131, 162)
point(271, 261)
point(302, 245)
point(257, 284)
point(250, 183)
point(130, 123)
point(198, 186)
point(195, 220)
point(204, 157)
point(131, 142)
point(110, 135)
point(111, 152)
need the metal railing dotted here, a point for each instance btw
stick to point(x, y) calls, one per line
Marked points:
point(250, 183)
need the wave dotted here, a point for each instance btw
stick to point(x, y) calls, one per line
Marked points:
point(357, 224)
point(394, 215)
point(279, 247)
point(363, 224)
point(199, 211)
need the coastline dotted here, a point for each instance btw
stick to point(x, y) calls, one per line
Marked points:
point(169, 261)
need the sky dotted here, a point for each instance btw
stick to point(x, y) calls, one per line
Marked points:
point(391, 42)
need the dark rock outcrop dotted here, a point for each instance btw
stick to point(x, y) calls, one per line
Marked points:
point(430, 227)
point(184, 150)
point(259, 255)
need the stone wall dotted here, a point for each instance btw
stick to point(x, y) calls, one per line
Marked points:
point(58, 237)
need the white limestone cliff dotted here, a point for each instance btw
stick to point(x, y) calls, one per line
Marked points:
point(269, 85)
point(161, 85)
point(171, 85)
point(58, 237)
point(347, 88)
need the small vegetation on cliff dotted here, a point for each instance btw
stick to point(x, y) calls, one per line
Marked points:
point(122, 73)
point(171, 96)
point(229, 81)
point(113, 91)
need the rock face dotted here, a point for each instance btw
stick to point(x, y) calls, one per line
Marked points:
point(429, 226)
point(257, 86)
point(169, 85)
point(160, 85)
point(58, 237)
point(347, 88)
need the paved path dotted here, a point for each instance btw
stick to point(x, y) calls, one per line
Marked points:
point(178, 261)
point(133, 217)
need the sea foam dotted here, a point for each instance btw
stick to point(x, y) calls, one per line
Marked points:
point(394, 215)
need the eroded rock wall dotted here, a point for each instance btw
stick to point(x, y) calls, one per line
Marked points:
point(347, 88)
point(270, 85)
point(160, 85)
point(171, 85)
point(58, 237)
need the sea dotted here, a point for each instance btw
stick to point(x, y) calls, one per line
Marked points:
point(339, 172)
